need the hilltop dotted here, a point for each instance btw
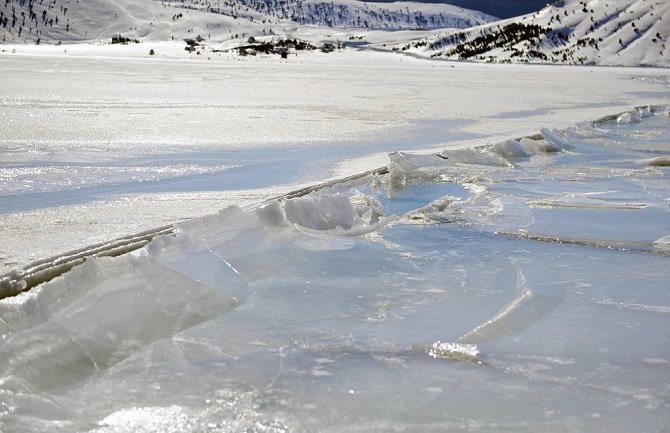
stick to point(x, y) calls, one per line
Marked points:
point(597, 32)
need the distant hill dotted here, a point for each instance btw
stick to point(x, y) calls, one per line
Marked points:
point(496, 8)
point(27, 21)
point(595, 32)
point(346, 13)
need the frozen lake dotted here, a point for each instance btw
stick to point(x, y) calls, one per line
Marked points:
point(515, 287)
point(99, 142)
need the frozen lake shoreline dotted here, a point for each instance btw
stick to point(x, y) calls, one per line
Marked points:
point(100, 142)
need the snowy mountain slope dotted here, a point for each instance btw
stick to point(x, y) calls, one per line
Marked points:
point(497, 8)
point(600, 32)
point(345, 13)
point(88, 20)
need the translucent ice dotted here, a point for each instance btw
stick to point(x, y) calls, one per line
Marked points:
point(460, 292)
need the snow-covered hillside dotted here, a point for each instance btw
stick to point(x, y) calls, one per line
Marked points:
point(600, 32)
point(88, 20)
point(27, 21)
point(344, 13)
point(596, 32)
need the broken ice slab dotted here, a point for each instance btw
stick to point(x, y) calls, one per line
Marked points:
point(587, 185)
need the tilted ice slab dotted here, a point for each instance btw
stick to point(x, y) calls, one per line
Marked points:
point(423, 299)
point(600, 184)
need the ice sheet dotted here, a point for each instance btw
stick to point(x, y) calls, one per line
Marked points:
point(427, 299)
point(129, 140)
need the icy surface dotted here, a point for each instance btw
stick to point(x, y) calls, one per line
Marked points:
point(102, 141)
point(489, 291)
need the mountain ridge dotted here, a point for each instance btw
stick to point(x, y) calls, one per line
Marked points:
point(596, 32)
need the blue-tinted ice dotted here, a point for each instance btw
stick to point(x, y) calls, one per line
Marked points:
point(520, 287)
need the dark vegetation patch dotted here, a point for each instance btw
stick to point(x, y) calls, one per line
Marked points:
point(506, 37)
point(281, 47)
point(123, 40)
